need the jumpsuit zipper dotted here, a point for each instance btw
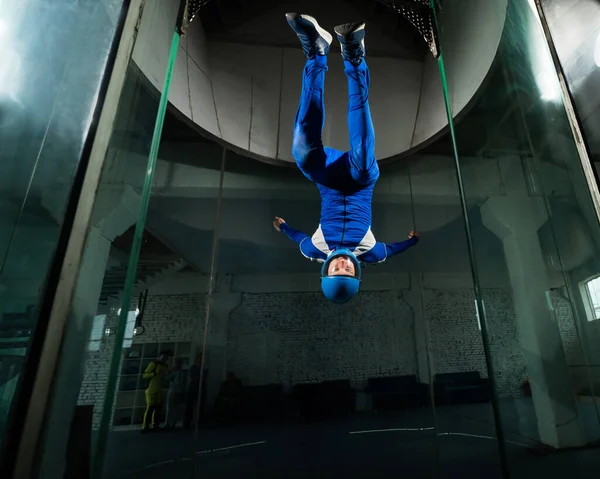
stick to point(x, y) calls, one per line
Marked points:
point(344, 226)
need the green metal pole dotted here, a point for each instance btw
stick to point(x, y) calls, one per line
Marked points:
point(133, 262)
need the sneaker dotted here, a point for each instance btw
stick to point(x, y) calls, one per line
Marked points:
point(314, 39)
point(352, 41)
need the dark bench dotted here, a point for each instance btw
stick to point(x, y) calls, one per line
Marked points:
point(262, 403)
point(326, 399)
point(460, 388)
point(397, 392)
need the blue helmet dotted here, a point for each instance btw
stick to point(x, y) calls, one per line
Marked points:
point(340, 289)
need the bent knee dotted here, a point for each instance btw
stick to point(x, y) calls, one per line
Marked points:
point(300, 151)
point(310, 160)
point(366, 177)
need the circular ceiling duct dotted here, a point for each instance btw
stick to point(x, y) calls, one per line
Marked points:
point(239, 69)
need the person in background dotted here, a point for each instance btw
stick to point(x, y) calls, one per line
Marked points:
point(177, 380)
point(155, 373)
point(192, 392)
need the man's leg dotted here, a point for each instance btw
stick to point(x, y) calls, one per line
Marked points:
point(148, 412)
point(363, 165)
point(364, 168)
point(307, 147)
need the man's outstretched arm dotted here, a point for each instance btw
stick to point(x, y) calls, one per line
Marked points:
point(383, 251)
point(280, 225)
point(401, 246)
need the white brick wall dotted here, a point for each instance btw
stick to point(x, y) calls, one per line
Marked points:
point(568, 331)
point(289, 338)
point(177, 317)
point(456, 344)
point(97, 368)
point(167, 319)
point(299, 337)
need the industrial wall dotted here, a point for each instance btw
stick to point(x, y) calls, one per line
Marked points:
point(290, 337)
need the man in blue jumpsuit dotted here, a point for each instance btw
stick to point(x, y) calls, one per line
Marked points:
point(345, 179)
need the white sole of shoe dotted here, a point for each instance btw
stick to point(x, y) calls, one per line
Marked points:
point(324, 33)
point(362, 27)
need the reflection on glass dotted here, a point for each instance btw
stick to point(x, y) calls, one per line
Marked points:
point(535, 238)
point(49, 85)
point(83, 377)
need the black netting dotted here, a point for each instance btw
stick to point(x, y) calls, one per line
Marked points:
point(193, 7)
point(418, 12)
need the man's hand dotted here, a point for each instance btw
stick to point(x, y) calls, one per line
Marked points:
point(413, 233)
point(277, 223)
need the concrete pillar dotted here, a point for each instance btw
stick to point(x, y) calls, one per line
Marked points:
point(418, 298)
point(515, 219)
point(114, 212)
point(223, 302)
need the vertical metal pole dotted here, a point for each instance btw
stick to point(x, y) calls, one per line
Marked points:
point(473, 262)
point(211, 288)
point(109, 397)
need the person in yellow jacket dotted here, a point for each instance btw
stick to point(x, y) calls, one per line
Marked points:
point(155, 373)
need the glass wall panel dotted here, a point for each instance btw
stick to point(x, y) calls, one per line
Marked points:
point(230, 349)
point(535, 236)
point(84, 374)
point(575, 30)
point(50, 92)
point(117, 361)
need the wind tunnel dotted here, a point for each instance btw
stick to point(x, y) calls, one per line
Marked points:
point(238, 72)
point(472, 353)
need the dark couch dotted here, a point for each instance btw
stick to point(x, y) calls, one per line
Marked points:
point(461, 388)
point(326, 399)
point(397, 392)
point(263, 403)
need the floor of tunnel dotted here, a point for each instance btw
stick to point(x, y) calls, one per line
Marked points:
point(362, 445)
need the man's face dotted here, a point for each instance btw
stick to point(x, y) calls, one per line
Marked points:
point(341, 266)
